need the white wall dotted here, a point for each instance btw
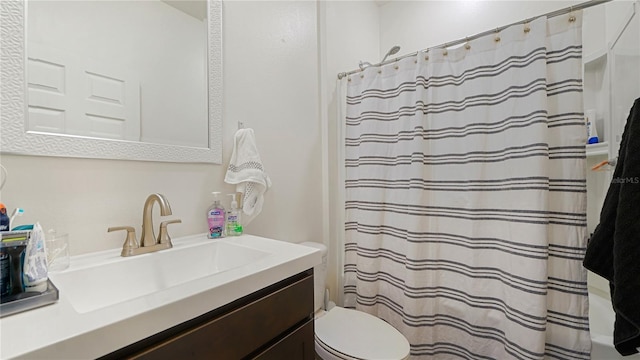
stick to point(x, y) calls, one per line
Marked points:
point(270, 83)
point(416, 25)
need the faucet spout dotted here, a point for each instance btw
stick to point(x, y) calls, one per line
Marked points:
point(148, 237)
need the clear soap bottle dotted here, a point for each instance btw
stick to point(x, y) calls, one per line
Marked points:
point(216, 218)
point(233, 223)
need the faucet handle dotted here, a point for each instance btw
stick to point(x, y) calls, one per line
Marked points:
point(130, 243)
point(163, 237)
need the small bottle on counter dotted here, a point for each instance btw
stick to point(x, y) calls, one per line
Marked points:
point(5, 224)
point(233, 223)
point(216, 218)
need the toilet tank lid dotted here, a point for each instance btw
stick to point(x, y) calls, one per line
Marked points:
point(316, 245)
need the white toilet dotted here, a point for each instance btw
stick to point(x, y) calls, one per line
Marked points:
point(350, 334)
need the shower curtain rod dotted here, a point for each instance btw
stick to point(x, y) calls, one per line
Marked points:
point(551, 14)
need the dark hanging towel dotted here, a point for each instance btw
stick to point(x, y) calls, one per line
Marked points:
point(614, 249)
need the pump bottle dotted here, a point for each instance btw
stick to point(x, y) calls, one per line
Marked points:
point(233, 223)
point(216, 218)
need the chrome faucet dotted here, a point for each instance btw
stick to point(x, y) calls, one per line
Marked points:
point(148, 241)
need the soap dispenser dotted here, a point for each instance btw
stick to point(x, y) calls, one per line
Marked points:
point(215, 218)
point(233, 224)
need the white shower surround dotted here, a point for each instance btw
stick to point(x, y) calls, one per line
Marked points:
point(601, 319)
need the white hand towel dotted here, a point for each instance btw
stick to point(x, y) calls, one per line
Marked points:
point(247, 173)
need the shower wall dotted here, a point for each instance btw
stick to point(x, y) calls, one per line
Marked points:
point(421, 24)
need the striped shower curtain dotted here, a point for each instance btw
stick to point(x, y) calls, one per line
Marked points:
point(465, 196)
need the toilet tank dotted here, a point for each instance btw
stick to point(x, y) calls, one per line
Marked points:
point(319, 275)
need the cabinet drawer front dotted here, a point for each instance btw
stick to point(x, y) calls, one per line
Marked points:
point(298, 345)
point(240, 332)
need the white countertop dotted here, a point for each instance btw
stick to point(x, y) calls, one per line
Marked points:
point(58, 331)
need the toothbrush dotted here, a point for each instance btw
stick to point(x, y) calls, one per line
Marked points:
point(16, 212)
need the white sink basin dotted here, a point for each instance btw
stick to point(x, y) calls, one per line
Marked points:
point(98, 285)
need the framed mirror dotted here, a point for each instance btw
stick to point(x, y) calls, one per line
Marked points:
point(28, 64)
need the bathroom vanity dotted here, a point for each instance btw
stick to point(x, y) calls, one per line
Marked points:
point(273, 323)
point(232, 298)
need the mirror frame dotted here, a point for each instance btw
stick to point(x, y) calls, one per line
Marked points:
point(14, 139)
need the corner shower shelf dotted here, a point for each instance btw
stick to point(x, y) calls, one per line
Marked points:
point(598, 149)
point(593, 58)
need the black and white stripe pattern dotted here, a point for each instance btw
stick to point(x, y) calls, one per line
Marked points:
point(483, 71)
point(467, 103)
point(466, 198)
point(474, 214)
point(516, 183)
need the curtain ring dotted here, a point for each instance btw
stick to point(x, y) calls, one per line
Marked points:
point(467, 45)
point(445, 51)
point(572, 18)
point(497, 38)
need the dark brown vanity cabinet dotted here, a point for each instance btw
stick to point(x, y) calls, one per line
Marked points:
point(273, 323)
